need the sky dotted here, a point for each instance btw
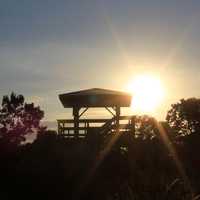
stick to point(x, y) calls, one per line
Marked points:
point(49, 47)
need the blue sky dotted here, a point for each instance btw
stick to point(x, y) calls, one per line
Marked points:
point(48, 47)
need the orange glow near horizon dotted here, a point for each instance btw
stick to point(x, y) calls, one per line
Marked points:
point(148, 93)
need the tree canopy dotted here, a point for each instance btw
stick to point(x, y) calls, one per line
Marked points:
point(18, 119)
point(184, 116)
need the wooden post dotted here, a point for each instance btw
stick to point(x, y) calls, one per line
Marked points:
point(59, 128)
point(76, 121)
point(133, 126)
point(117, 109)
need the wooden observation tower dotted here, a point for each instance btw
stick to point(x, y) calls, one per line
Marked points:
point(81, 101)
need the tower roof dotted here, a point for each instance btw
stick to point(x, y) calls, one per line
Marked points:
point(95, 97)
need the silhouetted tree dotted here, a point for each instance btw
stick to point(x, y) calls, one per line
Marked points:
point(145, 127)
point(18, 119)
point(184, 116)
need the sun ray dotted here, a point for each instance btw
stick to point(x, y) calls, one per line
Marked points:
point(173, 153)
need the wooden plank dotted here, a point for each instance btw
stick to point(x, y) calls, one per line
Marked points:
point(92, 120)
point(73, 134)
point(79, 128)
point(114, 126)
point(83, 120)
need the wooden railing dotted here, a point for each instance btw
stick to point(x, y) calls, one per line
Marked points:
point(101, 126)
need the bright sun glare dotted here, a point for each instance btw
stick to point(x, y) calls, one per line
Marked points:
point(147, 92)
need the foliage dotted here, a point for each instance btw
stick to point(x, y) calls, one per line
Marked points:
point(145, 127)
point(145, 171)
point(184, 117)
point(18, 119)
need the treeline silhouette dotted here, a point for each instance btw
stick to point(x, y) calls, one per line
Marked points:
point(160, 161)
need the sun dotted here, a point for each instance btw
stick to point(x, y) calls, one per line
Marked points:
point(148, 93)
